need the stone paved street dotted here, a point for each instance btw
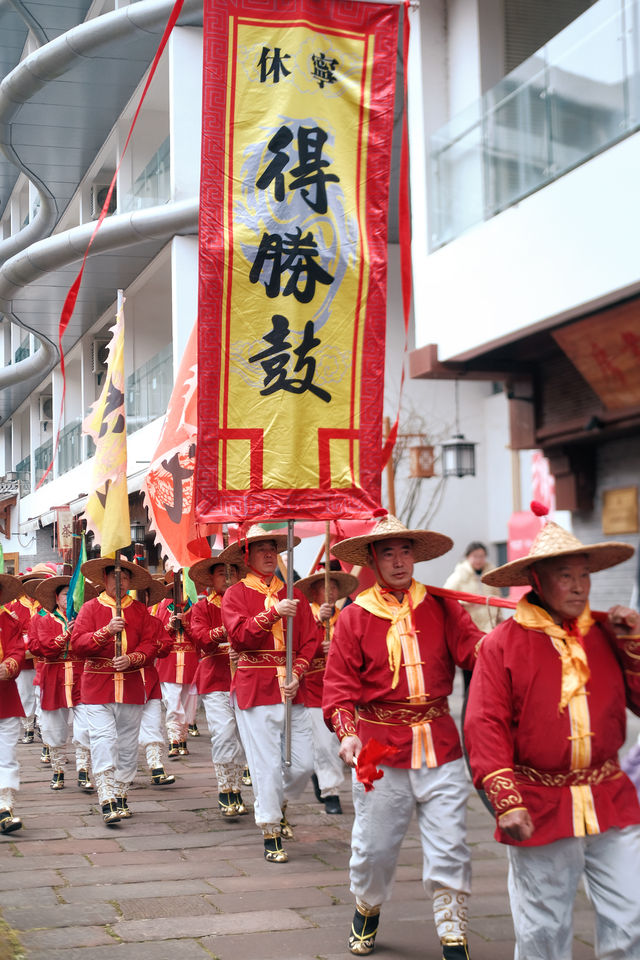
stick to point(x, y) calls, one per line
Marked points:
point(176, 881)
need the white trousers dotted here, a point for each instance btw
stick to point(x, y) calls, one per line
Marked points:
point(221, 720)
point(181, 706)
point(151, 726)
point(58, 726)
point(327, 765)
point(543, 882)
point(27, 691)
point(9, 767)
point(114, 729)
point(439, 797)
point(262, 734)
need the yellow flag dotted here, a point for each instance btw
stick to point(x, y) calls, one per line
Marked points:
point(107, 509)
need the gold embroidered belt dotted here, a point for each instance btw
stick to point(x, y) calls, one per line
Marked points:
point(262, 658)
point(218, 653)
point(182, 646)
point(408, 714)
point(589, 776)
point(104, 665)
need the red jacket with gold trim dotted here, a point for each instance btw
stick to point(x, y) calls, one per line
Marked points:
point(249, 627)
point(358, 695)
point(559, 764)
point(50, 640)
point(24, 609)
point(91, 640)
point(210, 637)
point(181, 662)
point(12, 657)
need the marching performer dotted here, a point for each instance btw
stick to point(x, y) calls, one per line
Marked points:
point(327, 765)
point(545, 721)
point(12, 653)
point(112, 682)
point(151, 736)
point(24, 608)
point(177, 672)
point(213, 680)
point(253, 613)
point(389, 673)
point(61, 712)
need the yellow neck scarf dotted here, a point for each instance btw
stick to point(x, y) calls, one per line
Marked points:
point(215, 599)
point(315, 610)
point(385, 605)
point(575, 668)
point(108, 601)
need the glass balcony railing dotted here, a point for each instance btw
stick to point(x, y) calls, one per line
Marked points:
point(23, 350)
point(23, 472)
point(70, 446)
point(573, 99)
point(153, 186)
point(149, 389)
point(42, 457)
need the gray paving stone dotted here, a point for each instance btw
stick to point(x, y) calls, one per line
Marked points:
point(122, 892)
point(266, 921)
point(37, 915)
point(166, 950)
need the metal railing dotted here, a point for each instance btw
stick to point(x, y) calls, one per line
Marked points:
point(149, 389)
point(574, 98)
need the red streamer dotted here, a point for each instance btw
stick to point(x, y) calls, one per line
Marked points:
point(72, 295)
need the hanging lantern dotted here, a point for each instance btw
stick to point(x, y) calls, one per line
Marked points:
point(422, 461)
point(458, 457)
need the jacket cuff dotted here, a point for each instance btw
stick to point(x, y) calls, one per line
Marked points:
point(137, 659)
point(13, 667)
point(502, 792)
point(343, 722)
point(102, 635)
point(266, 620)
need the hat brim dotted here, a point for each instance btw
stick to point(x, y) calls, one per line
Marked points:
point(10, 588)
point(347, 583)
point(202, 571)
point(235, 552)
point(600, 556)
point(94, 570)
point(427, 545)
point(46, 591)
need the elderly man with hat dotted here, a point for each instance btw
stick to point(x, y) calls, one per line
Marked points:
point(254, 613)
point(389, 673)
point(112, 683)
point(61, 711)
point(328, 768)
point(545, 721)
point(213, 681)
point(12, 653)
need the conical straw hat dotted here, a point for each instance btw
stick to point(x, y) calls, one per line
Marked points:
point(235, 552)
point(10, 588)
point(554, 541)
point(46, 590)
point(347, 583)
point(427, 544)
point(94, 570)
point(202, 570)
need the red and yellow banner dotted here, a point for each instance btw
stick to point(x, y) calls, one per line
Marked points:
point(297, 126)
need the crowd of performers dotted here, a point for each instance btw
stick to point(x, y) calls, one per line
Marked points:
point(368, 688)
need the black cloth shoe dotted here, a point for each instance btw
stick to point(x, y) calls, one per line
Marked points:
point(110, 813)
point(28, 737)
point(246, 777)
point(123, 808)
point(227, 806)
point(193, 730)
point(83, 781)
point(57, 780)
point(183, 749)
point(273, 851)
point(45, 756)
point(332, 805)
point(241, 809)
point(316, 788)
point(159, 778)
point(9, 823)
point(455, 951)
point(363, 933)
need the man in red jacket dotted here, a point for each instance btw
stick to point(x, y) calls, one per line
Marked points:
point(213, 682)
point(389, 673)
point(112, 684)
point(12, 652)
point(545, 721)
point(254, 613)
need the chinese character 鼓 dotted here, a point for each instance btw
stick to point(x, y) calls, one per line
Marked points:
point(275, 360)
point(296, 254)
point(310, 171)
point(271, 65)
point(323, 68)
